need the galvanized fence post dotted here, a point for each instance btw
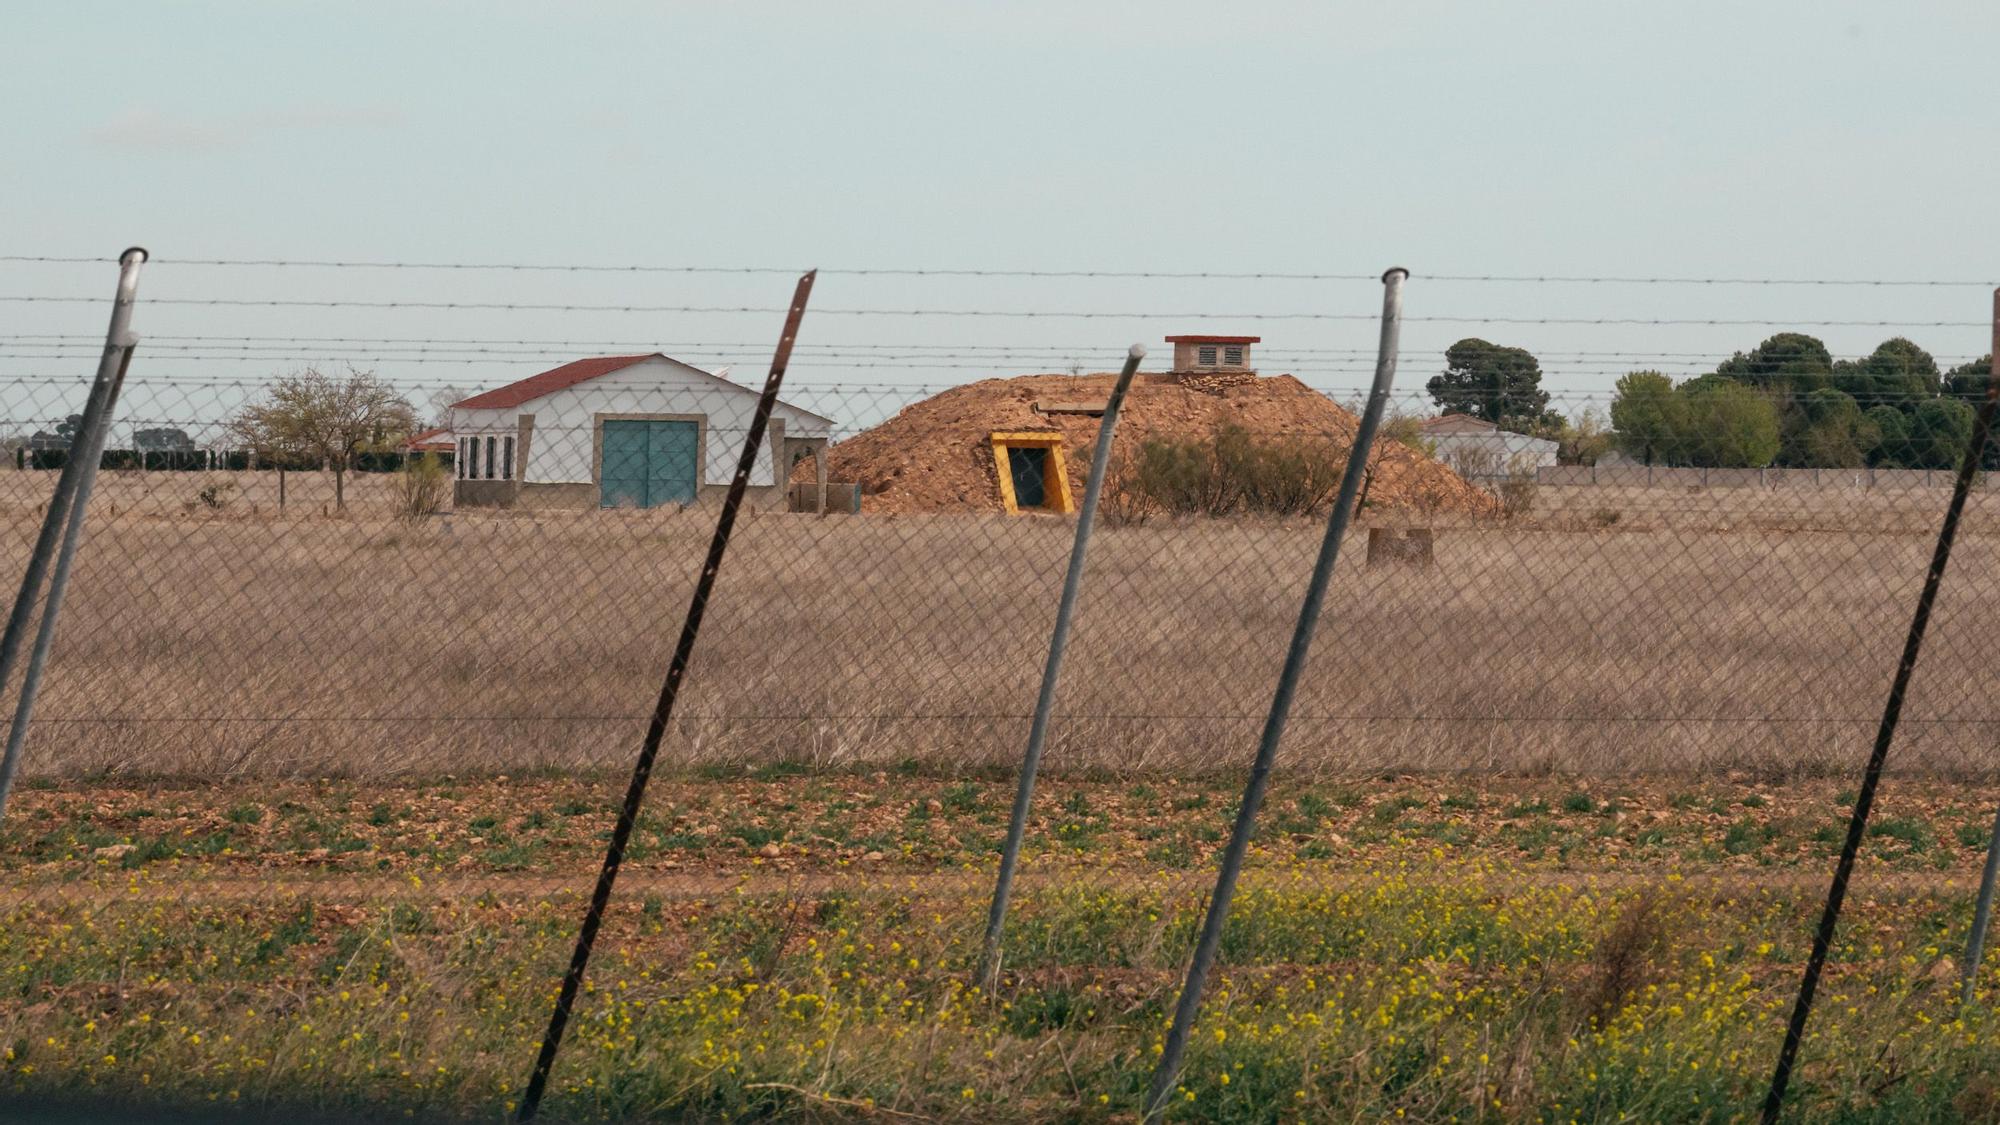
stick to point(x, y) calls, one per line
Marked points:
point(64, 519)
point(1982, 917)
point(1167, 1072)
point(1982, 913)
point(1885, 735)
point(1017, 825)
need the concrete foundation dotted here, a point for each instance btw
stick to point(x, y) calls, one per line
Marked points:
point(518, 494)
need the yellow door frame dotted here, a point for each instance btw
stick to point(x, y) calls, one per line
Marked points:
point(1055, 469)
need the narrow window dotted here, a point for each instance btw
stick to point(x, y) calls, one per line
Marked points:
point(458, 468)
point(507, 459)
point(471, 458)
point(1205, 357)
point(490, 443)
point(1232, 356)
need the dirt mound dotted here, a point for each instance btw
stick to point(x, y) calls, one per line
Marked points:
point(936, 455)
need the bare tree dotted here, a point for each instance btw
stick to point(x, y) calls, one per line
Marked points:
point(440, 402)
point(328, 418)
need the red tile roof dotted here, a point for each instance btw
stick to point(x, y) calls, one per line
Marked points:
point(431, 441)
point(1457, 423)
point(1215, 339)
point(535, 386)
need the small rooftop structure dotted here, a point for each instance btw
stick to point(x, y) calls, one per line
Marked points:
point(1203, 355)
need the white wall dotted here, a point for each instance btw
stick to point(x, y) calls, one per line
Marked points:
point(561, 448)
point(1505, 451)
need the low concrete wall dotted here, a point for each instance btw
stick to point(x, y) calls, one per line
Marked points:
point(843, 498)
point(1660, 476)
point(558, 495)
point(763, 496)
point(483, 493)
point(572, 495)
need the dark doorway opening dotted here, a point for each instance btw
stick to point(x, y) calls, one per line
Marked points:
point(1027, 467)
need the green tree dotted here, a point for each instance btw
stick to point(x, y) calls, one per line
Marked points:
point(1892, 437)
point(1940, 429)
point(1897, 373)
point(1828, 429)
point(1585, 438)
point(1490, 382)
point(1968, 381)
point(162, 439)
point(1646, 417)
point(1789, 361)
point(1727, 425)
point(63, 438)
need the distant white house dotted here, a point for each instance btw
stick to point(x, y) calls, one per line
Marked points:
point(639, 431)
point(1474, 448)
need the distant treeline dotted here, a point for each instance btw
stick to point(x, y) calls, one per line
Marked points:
point(210, 460)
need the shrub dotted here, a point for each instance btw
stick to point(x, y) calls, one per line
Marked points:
point(421, 488)
point(1628, 955)
point(1121, 504)
point(1227, 473)
point(1407, 430)
point(1517, 488)
point(114, 459)
point(379, 461)
point(1184, 477)
point(174, 460)
point(214, 494)
point(1476, 462)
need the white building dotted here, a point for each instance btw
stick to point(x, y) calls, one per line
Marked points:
point(1475, 449)
point(622, 431)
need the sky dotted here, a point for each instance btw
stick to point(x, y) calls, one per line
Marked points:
point(1776, 140)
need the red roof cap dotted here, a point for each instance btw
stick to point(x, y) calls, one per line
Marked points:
point(548, 382)
point(1215, 339)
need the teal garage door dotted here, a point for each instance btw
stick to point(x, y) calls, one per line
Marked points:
point(648, 463)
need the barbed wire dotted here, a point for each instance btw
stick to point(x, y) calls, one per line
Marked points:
point(1026, 314)
point(455, 353)
point(1175, 275)
point(1556, 383)
point(154, 343)
point(1017, 716)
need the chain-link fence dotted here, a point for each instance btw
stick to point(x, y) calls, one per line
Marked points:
point(347, 684)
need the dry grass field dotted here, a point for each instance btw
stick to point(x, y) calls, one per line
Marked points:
point(313, 801)
point(1611, 631)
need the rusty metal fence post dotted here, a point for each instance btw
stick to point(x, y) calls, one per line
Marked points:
point(1167, 1072)
point(663, 710)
